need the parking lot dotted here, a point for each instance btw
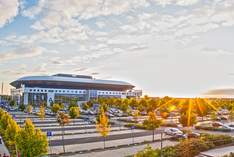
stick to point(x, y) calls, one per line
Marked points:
point(80, 134)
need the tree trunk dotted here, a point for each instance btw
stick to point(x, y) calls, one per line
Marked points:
point(16, 151)
point(104, 142)
point(153, 136)
point(63, 138)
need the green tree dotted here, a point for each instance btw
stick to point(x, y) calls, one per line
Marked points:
point(103, 126)
point(12, 103)
point(213, 116)
point(74, 112)
point(11, 133)
point(188, 120)
point(62, 119)
point(152, 123)
point(55, 108)
point(73, 103)
point(21, 107)
point(41, 113)
point(31, 142)
point(29, 109)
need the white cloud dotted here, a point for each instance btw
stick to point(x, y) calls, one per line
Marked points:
point(34, 10)
point(221, 52)
point(8, 10)
point(177, 2)
point(20, 53)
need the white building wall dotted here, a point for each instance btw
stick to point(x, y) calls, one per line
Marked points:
point(25, 98)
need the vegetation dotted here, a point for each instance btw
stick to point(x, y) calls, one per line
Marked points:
point(188, 148)
point(152, 123)
point(62, 119)
point(41, 113)
point(56, 108)
point(31, 141)
point(29, 109)
point(74, 112)
point(21, 107)
point(103, 126)
point(12, 103)
point(26, 141)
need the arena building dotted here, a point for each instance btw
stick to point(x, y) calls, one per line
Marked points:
point(62, 87)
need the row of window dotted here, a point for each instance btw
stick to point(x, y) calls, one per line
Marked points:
point(56, 91)
point(114, 93)
point(77, 92)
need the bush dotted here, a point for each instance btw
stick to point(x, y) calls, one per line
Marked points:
point(55, 108)
point(169, 151)
point(210, 128)
point(148, 152)
point(217, 140)
point(74, 112)
point(21, 107)
point(192, 147)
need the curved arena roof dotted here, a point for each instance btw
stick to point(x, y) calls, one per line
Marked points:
point(71, 82)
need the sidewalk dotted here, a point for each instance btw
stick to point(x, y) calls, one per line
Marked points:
point(122, 152)
point(219, 152)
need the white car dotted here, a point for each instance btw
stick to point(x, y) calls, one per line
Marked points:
point(173, 131)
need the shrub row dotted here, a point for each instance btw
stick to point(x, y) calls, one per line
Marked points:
point(210, 128)
point(188, 147)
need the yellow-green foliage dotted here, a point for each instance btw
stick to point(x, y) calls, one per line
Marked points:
point(30, 141)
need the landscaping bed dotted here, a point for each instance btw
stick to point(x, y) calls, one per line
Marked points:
point(189, 147)
point(210, 128)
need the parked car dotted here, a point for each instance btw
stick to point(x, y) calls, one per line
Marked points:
point(173, 131)
point(193, 135)
point(179, 136)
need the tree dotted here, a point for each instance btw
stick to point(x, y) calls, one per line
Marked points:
point(11, 133)
point(55, 108)
point(29, 109)
point(41, 113)
point(103, 126)
point(231, 114)
point(73, 103)
point(152, 123)
point(31, 142)
point(12, 103)
point(22, 107)
point(188, 120)
point(62, 119)
point(74, 112)
point(135, 115)
point(213, 116)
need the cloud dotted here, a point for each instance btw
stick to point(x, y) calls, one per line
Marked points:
point(211, 51)
point(177, 2)
point(20, 53)
point(34, 10)
point(225, 92)
point(8, 10)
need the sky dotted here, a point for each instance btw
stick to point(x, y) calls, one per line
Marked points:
point(164, 47)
